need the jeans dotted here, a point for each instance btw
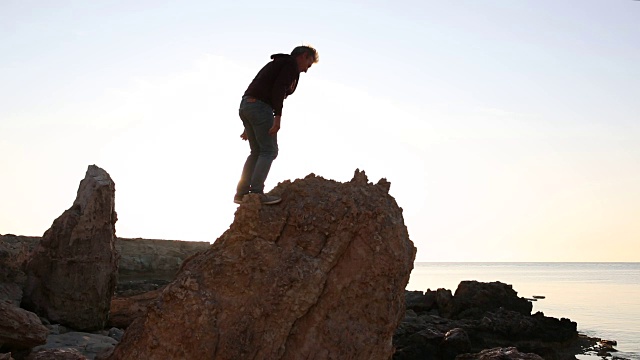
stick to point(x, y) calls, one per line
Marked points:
point(257, 118)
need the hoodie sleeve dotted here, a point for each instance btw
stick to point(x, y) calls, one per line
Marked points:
point(284, 84)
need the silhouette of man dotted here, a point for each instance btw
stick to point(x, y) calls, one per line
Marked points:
point(261, 110)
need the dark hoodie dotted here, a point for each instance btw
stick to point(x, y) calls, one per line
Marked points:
point(275, 81)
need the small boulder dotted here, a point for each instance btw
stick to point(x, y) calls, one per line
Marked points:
point(19, 328)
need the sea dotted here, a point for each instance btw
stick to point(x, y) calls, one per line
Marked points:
point(602, 298)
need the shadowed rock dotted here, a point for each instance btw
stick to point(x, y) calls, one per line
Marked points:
point(480, 316)
point(320, 275)
point(72, 273)
point(473, 298)
point(19, 328)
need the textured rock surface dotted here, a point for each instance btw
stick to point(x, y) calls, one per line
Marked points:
point(145, 257)
point(500, 354)
point(56, 354)
point(319, 276)
point(73, 271)
point(19, 328)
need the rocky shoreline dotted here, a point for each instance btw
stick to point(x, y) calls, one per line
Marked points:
point(319, 276)
point(437, 324)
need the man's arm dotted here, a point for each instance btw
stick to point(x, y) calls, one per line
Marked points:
point(276, 125)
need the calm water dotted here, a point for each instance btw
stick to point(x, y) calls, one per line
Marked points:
point(603, 298)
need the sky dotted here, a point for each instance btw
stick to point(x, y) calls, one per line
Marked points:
point(509, 130)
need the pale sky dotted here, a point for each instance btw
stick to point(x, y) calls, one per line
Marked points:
point(509, 129)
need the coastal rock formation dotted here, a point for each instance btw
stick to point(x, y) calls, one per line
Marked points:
point(145, 258)
point(320, 275)
point(19, 328)
point(72, 273)
point(482, 316)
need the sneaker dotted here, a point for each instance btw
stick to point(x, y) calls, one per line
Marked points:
point(270, 199)
point(238, 198)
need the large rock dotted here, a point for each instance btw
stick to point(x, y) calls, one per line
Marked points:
point(319, 276)
point(72, 273)
point(19, 328)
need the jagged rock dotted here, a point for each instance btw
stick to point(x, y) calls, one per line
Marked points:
point(86, 345)
point(73, 271)
point(56, 354)
point(473, 298)
point(443, 298)
point(500, 354)
point(19, 328)
point(126, 309)
point(419, 301)
point(320, 275)
point(6, 356)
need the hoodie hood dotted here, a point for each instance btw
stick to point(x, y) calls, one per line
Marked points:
point(280, 56)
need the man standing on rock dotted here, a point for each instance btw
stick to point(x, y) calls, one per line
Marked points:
point(260, 111)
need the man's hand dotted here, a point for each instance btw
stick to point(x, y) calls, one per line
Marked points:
point(276, 125)
point(243, 136)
